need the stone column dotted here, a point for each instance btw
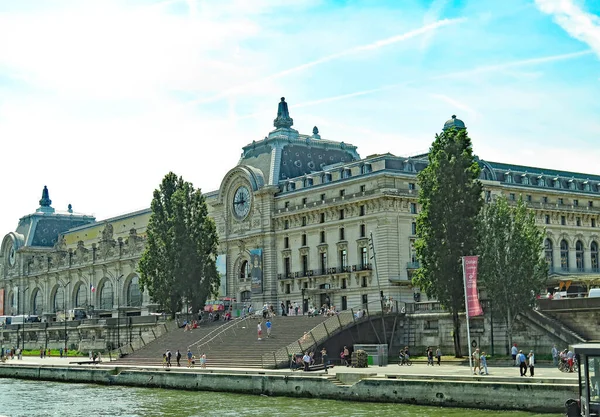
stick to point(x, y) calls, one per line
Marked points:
point(572, 258)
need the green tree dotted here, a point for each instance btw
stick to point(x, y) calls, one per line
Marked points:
point(512, 268)
point(450, 197)
point(179, 263)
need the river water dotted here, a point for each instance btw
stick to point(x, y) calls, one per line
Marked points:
point(20, 398)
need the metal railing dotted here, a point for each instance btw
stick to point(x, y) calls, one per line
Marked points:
point(327, 271)
point(163, 326)
point(218, 332)
point(573, 270)
point(330, 327)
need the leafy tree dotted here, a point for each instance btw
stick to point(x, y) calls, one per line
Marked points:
point(450, 197)
point(179, 263)
point(512, 268)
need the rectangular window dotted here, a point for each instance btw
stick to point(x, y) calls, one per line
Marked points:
point(287, 289)
point(545, 200)
point(286, 224)
point(362, 210)
point(322, 218)
point(304, 265)
point(287, 267)
point(413, 228)
point(363, 230)
point(342, 192)
point(304, 200)
point(413, 208)
point(304, 240)
point(303, 220)
point(576, 203)
point(286, 242)
point(560, 201)
point(547, 217)
point(287, 204)
point(365, 299)
point(343, 259)
point(590, 203)
point(342, 214)
point(322, 197)
point(322, 236)
point(593, 222)
point(342, 234)
point(411, 185)
point(363, 282)
point(364, 258)
point(323, 262)
point(578, 221)
point(563, 220)
point(511, 196)
point(363, 188)
point(344, 284)
point(528, 197)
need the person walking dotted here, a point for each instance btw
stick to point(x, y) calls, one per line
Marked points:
point(514, 352)
point(178, 357)
point(429, 356)
point(168, 358)
point(555, 355)
point(259, 330)
point(324, 357)
point(268, 325)
point(189, 358)
point(438, 355)
point(522, 361)
point(483, 359)
point(531, 363)
point(476, 363)
point(306, 360)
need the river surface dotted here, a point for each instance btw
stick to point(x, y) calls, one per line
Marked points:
point(20, 398)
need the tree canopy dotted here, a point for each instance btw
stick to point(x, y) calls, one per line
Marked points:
point(450, 197)
point(512, 268)
point(179, 263)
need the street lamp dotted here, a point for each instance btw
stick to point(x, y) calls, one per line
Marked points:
point(64, 288)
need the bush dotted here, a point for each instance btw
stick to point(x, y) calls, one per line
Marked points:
point(362, 359)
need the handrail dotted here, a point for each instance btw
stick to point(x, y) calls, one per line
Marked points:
point(127, 348)
point(328, 328)
point(219, 330)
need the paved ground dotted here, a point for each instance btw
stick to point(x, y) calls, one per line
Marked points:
point(446, 370)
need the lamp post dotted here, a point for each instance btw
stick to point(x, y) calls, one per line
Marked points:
point(64, 287)
point(378, 284)
point(119, 312)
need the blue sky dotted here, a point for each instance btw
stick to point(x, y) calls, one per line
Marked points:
point(100, 99)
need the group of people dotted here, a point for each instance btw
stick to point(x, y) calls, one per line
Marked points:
point(523, 361)
point(564, 358)
point(191, 359)
point(430, 354)
point(479, 363)
point(268, 325)
point(10, 353)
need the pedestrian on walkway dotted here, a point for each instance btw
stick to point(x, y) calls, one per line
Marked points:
point(429, 354)
point(514, 352)
point(268, 325)
point(531, 363)
point(476, 362)
point(189, 358)
point(168, 358)
point(259, 330)
point(438, 355)
point(522, 361)
point(178, 357)
point(555, 355)
point(483, 359)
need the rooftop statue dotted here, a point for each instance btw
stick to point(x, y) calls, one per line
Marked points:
point(45, 201)
point(283, 119)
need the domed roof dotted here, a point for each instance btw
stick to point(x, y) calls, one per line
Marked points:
point(454, 123)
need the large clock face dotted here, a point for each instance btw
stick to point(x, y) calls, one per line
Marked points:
point(241, 202)
point(12, 256)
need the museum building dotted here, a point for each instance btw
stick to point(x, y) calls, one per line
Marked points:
point(301, 219)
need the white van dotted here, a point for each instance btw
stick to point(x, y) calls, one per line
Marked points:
point(22, 319)
point(594, 292)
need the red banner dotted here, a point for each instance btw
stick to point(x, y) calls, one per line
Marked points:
point(1, 301)
point(470, 272)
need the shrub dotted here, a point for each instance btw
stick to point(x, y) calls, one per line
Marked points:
point(361, 359)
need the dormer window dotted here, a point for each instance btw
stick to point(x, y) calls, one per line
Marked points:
point(587, 186)
point(346, 173)
point(572, 185)
point(365, 169)
point(290, 186)
point(508, 177)
point(541, 181)
point(308, 181)
point(408, 166)
point(524, 179)
point(325, 178)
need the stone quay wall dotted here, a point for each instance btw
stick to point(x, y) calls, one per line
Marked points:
point(496, 395)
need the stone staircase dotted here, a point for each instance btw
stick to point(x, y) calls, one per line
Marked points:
point(553, 326)
point(235, 345)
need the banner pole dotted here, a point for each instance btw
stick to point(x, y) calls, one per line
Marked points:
point(467, 314)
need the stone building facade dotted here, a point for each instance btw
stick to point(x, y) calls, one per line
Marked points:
point(301, 219)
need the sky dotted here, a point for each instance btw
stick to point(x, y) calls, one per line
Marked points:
point(100, 99)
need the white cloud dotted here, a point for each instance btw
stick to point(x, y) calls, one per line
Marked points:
point(576, 22)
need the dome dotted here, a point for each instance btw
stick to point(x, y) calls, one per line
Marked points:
point(454, 123)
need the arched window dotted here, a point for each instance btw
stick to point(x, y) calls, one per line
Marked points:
point(564, 255)
point(81, 297)
point(346, 173)
point(548, 253)
point(579, 255)
point(508, 177)
point(365, 169)
point(134, 295)
point(557, 183)
point(246, 296)
point(524, 179)
point(594, 256)
point(37, 303)
point(325, 178)
point(245, 270)
point(308, 182)
point(59, 300)
point(541, 181)
point(106, 296)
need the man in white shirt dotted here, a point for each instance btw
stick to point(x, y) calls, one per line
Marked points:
point(514, 351)
point(306, 360)
point(555, 355)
